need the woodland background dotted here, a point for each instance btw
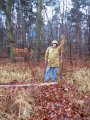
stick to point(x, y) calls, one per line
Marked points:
point(27, 23)
point(27, 28)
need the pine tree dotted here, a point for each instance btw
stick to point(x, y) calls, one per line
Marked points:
point(76, 18)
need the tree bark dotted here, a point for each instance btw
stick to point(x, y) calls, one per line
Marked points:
point(21, 25)
point(10, 29)
point(89, 29)
point(38, 30)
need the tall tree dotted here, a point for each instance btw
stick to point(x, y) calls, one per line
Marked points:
point(21, 25)
point(10, 28)
point(76, 18)
point(38, 29)
point(89, 27)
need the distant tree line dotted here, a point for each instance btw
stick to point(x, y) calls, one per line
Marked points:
point(27, 22)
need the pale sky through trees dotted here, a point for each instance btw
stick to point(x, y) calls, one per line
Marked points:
point(67, 5)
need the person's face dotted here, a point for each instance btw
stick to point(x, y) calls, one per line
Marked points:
point(54, 45)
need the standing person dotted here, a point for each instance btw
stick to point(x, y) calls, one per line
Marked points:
point(52, 59)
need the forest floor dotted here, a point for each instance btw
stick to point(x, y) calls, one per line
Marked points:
point(65, 99)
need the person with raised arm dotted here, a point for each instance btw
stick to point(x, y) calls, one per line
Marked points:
point(52, 59)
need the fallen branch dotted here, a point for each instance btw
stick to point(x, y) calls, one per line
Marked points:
point(28, 85)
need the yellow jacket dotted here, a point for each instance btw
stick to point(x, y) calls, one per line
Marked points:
point(52, 55)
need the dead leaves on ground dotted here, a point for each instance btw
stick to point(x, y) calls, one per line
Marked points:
point(62, 101)
point(53, 103)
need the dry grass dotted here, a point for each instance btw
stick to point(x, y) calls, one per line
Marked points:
point(39, 74)
point(19, 72)
point(24, 72)
point(80, 77)
point(20, 105)
point(24, 103)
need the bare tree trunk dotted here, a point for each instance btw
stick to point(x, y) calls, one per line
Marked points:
point(10, 30)
point(78, 34)
point(21, 26)
point(89, 28)
point(62, 20)
point(38, 30)
point(1, 38)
